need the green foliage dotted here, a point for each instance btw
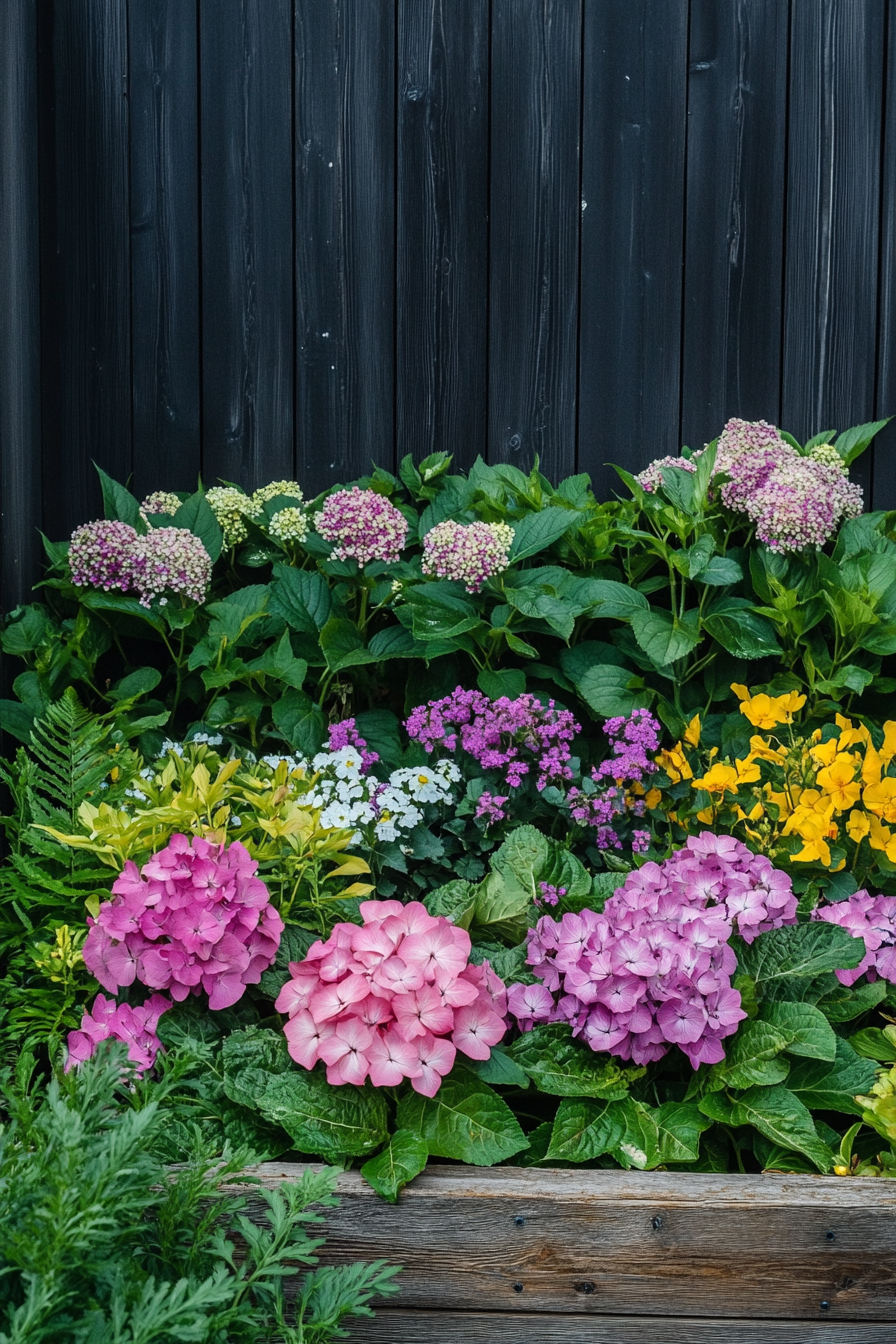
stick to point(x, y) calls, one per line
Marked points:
point(100, 1242)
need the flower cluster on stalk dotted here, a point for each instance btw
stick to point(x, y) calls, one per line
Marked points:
point(107, 1020)
point(392, 999)
point(468, 553)
point(194, 917)
point(364, 525)
point(111, 555)
point(616, 787)
point(654, 969)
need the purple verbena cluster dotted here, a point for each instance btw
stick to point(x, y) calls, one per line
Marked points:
point(511, 736)
point(490, 807)
point(467, 553)
point(873, 919)
point(345, 734)
point(654, 969)
point(365, 526)
point(108, 1020)
point(111, 555)
point(194, 916)
point(632, 739)
point(548, 894)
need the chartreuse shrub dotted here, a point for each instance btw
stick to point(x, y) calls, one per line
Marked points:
point(101, 1241)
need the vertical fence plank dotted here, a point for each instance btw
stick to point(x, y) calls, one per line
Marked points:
point(345, 238)
point(535, 212)
point(246, 204)
point(20, 430)
point(633, 144)
point(92, 338)
point(442, 272)
point(836, 70)
point(884, 462)
point(735, 214)
point(164, 243)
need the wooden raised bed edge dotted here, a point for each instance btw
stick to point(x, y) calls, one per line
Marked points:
point(510, 1255)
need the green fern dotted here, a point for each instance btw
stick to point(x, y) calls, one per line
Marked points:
point(70, 748)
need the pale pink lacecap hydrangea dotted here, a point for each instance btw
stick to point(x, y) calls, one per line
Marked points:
point(468, 553)
point(108, 1020)
point(391, 999)
point(654, 969)
point(194, 917)
point(873, 919)
point(100, 555)
point(365, 526)
point(170, 560)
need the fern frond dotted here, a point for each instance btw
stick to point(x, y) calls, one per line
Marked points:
point(71, 750)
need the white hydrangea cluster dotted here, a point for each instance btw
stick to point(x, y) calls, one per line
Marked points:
point(289, 524)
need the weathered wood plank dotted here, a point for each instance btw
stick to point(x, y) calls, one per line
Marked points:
point(633, 144)
point(734, 245)
point(20, 427)
point(247, 274)
point(454, 1327)
point(833, 216)
point(615, 1242)
point(165, 327)
point(91, 279)
point(535, 213)
point(345, 238)
point(442, 273)
point(884, 461)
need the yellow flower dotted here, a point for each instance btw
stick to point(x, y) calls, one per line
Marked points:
point(882, 839)
point(888, 750)
point(838, 782)
point(781, 801)
point(881, 798)
point(849, 734)
point(692, 732)
point(872, 767)
point(761, 750)
point(858, 826)
point(815, 850)
point(675, 764)
point(791, 703)
point(747, 771)
point(824, 752)
point(762, 711)
point(653, 799)
point(718, 779)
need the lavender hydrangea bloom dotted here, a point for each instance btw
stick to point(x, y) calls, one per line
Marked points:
point(654, 969)
point(873, 919)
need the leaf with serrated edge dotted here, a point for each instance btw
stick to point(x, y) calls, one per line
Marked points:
point(776, 1113)
point(585, 1129)
point(403, 1158)
point(564, 1067)
point(465, 1120)
point(807, 1030)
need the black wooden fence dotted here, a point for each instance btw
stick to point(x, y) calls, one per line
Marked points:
point(258, 238)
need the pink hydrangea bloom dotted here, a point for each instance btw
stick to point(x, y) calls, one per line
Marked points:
point(195, 917)
point(511, 736)
point(108, 1020)
point(100, 555)
point(393, 998)
point(366, 526)
point(873, 919)
point(654, 969)
point(651, 478)
point(468, 553)
point(170, 560)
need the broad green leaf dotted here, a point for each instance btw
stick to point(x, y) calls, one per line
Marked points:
point(501, 907)
point(403, 1158)
point(536, 531)
point(554, 611)
point(234, 614)
point(847, 1002)
point(249, 1059)
point(872, 1043)
point(825, 1086)
point(455, 901)
point(119, 604)
point(679, 487)
point(584, 1129)
point(517, 645)
point(524, 853)
point(679, 1126)
point(465, 1120)
point(195, 515)
point(279, 661)
point(16, 720)
point(394, 642)
point(139, 682)
point(499, 1070)
point(328, 1121)
point(807, 1030)
point(300, 721)
point(665, 638)
point(590, 653)
point(301, 597)
point(720, 572)
point(616, 600)
point(740, 630)
point(509, 681)
point(801, 951)
point(564, 1067)
point(777, 1113)
point(751, 1059)
point(294, 944)
point(605, 689)
point(339, 638)
point(119, 504)
point(853, 442)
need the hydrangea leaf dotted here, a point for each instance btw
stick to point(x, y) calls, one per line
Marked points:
point(195, 514)
point(847, 1002)
point(403, 1158)
point(720, 572)
point(300, 721)
point(499, 1070)
point(739, 630)
point(823, 1085)
point(559, 1064)
point(328, 1121)
point(607, 690)
point(777, 1113)
point(294, 944)
point(807, 1030)
point(585, 1129)
point(465, 1120)
point(663, 637)
point(800, 951)
point(872, 1043)
point(537, 531)
point(678, 1126)
point(455, 900)
point(121, 506)
point(501, 907)
point(751, 1059)
point(301, 597)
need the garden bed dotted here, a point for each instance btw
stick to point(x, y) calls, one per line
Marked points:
point(598, 1255)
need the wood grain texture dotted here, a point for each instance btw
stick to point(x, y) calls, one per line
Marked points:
point(345, 238)
point(833, 204)
point(92, 250)
point(734, 252)
point(644, 1243)
point(442, 272)
point(20, 427)
point(392, 1326)
point(536, 73)
point(884, 461)
point(247, 301)
point(633, 173)
point(165, 327)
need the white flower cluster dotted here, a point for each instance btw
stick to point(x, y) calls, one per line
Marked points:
point(349, 799)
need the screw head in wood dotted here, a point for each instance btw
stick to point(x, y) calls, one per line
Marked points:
point(517, 1287)
point(519, 1220)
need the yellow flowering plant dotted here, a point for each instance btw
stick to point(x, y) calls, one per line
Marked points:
point(813, 797)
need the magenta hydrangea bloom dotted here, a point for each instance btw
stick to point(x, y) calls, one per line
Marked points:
point(468, 553)
point(511, 736)
point(100, 555)
point(108, 1020)
point(345, 734)
point(195, 917)
point(873, 919)
point(654, 969)
point(391, 999)
point(366, 526)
